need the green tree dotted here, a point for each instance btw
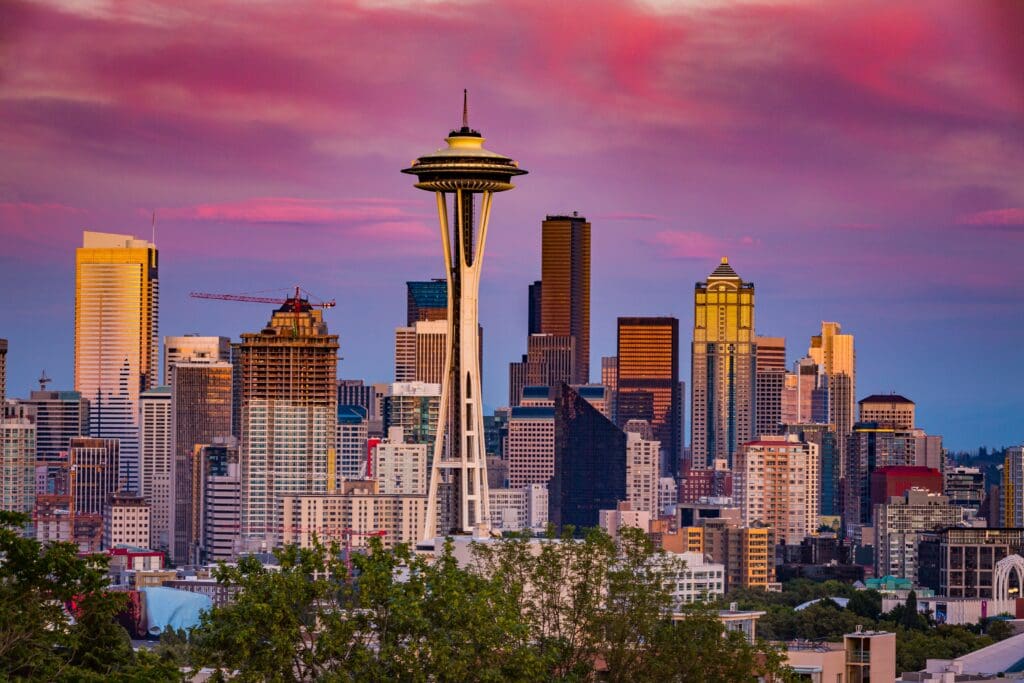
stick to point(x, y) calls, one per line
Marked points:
point(38, 638)
point(866, 603)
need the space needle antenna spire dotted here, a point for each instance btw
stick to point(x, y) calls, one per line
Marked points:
point(464, 178)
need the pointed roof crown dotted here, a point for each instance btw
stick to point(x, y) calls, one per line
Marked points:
point(724, 270)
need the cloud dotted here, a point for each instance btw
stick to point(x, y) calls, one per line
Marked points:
point(688, 244)
point(292, 211)
point(627, 216)
point(996, 218)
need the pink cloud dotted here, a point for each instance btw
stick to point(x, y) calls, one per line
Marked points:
point(290, 210)
point(1012, 217)
point(689, 244)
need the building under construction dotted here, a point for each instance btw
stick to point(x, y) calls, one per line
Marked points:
point(287, 374)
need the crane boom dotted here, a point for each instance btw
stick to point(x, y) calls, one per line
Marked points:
point(257, 299)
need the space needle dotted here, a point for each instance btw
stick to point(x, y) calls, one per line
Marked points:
point(456, 174)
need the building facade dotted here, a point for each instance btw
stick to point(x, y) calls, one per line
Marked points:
point(194, 348)
point(126, 521)
point(647, 382)
point(899, 524)
point(289, 415)
point(59, 415)
point(116, 344)
point(769, 384)
point(565, 274)
point(530, 451)
point(722, 377)
point(17, 462)
point(776, 483)
point(590, 463)
point(155, 463)
point(836, 358)
point(200, 412)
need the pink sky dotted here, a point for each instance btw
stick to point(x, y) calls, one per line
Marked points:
point(859, 161)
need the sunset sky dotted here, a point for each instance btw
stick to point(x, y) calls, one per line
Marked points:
point(858, 161)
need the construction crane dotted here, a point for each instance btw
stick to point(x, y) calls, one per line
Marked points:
point(346, 535)
point(296, 301)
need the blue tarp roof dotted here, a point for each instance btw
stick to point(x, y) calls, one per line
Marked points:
point(173, 608)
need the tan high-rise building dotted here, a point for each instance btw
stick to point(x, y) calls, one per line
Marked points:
point(419, 351)
point(777, 483)
point(17, 460)
point(723, 358)
point(565, 278)
point(642, 473)
point(126, 521)
point(155, 463)
point(289, 414)
point(889, 409)
point(769, 384)
point(200, 412)
point(116, 346)
point(192, 347)
point(531, 445)
point(834, 353)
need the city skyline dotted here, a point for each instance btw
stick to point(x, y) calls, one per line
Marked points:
point(873, 184)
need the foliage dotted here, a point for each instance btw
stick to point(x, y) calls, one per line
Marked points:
point(38, 638)
point(915, 647)
point(557, 609)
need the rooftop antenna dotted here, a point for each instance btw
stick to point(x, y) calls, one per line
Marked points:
point(153, 228)
point(465, 108)
point(43, 381)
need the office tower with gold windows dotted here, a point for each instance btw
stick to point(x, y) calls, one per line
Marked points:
point(647, 381)
point(723, 359)
point(565, 286)
point(837, 360)
point(116, 346)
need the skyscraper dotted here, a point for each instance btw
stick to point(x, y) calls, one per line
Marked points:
point(647, 381)
point(565, 278)
point(116, 310)
point(533, 319)
point(200, 412)
point(59, 415)
point(1013, 487)
point(192, 347)
point(769, 383)
point(890, 409)
point(590, 463)
point(776, 483)
point(456, 174)
point(426, 300)
point(93, 472)
point(723, 366)
point(549, 361)
point(351, 442)
point(3, 371)
point(219, 504)
point(834, 353)
point(530, 450)
point(871, 445)
point(419, 351)
point(289, 413)
point(155, 463)
point(17, 461)
point(415, 407)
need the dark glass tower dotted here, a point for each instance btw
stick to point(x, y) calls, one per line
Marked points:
point(590, 463)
